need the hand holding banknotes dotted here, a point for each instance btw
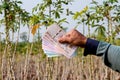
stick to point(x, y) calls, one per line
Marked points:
point(74, 37)
point(51, 46)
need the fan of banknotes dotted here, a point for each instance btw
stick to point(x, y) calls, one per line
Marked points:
point(52, 47)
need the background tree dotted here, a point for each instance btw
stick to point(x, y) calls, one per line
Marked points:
point(13, 16)
point(104, 18)
point(43, 11)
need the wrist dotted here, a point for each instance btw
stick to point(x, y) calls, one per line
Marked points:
point(84, 42)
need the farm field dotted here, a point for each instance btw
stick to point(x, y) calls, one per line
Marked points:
point(31, 66)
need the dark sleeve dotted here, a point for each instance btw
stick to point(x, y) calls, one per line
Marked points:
point(91, 47)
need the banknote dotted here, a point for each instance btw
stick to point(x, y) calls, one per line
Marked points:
point(52, 47)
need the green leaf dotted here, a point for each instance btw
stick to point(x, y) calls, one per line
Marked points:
point(62, 20)
point(93, 23)
point(57, 15)
point(113, 1)
point(0, 11)
point(76, 15)
point(20, 2)
point(94, 2)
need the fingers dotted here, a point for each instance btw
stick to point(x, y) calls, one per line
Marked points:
point(65, 39)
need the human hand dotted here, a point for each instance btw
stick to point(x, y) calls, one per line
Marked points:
point(74, 37)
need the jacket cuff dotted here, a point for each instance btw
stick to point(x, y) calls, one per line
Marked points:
point(91, 47)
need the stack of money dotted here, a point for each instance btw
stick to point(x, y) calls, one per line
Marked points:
point(52, 47)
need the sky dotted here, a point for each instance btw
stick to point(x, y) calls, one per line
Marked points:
point(77, 5)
